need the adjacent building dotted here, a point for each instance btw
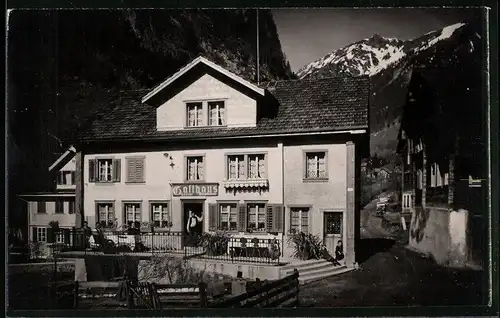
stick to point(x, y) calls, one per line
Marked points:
point(444, 174)
point(253, 160)
point(54, 206)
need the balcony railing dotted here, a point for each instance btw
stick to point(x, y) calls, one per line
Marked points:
point(255, 250)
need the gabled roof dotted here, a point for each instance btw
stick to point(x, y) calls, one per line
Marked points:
point(289, 106)
point(194, 63)
point(63, 159)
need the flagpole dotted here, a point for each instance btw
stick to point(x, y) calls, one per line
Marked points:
point(258, 57)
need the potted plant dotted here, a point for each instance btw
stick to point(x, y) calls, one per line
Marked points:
point(215, 243)
point(306, 246)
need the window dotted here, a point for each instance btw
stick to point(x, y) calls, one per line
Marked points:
point(60, 238)
point(299, 220)
point(194, 114)
point(41, 234)
point(216, 113)
point(316, 165)
point(41, 207)
point(66, 178)
point(135, 169)
point(104, 170)
point(251, 166)
point(228, 217)
point(437, 179)
point(407, 200)
point(256, 217)
point(105, 214)
point(194, 168)
point(132, 212)
point(160, 215)
point(59, 206)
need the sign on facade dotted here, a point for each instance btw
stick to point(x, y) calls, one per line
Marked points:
point(197, 189)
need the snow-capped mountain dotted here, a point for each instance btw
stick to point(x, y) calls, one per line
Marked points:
point(375, 54)
point(389, 63)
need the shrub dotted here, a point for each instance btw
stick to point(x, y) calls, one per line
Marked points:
point(215, 243)
point(306, 246)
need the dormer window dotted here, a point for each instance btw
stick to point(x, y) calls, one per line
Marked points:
point(216, 113)
point(194, 114)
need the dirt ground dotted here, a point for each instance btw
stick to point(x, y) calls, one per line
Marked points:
point(390, 274)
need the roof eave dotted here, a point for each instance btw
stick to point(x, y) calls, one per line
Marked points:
point(353, 130)
point(208, 63)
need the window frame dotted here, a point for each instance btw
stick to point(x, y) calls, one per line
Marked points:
point(186, 167)
point(125, 212)
point(224, 118)
point(98, 215)
point(61, 205)
point(309, 215)
point(221, 204)
point(39, 204)
point(246, 159)
point(305, 177)
point(248, 204)
point(109, 173)
point(45, 233)
point(202, 116)
point(151, 203)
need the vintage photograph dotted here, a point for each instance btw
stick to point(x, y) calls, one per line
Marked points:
point(164, 159)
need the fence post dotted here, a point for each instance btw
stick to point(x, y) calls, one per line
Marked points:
point(203, 294)
point(297, 301)
point(75, 297)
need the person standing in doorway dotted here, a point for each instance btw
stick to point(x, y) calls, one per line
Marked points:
point(191, 226)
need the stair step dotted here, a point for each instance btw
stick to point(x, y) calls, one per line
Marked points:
point(302, 264)
point(311, 277)
point(306, 269)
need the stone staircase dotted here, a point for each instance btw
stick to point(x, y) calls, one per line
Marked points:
point(312, 270)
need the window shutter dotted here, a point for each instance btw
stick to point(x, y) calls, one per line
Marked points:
point(71, 207)
point(73, 177)
point(34, 234)
point(66, 233)
point(213, 217)
point(278, 218)
point(92, 170)
point(116, 170)
point(139, 169)
point(270, 218)
point(242, 217)
point(42, 207)
point(50, 235)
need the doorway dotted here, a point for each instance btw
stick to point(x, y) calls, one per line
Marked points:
point(192, 220)
point(333, 230)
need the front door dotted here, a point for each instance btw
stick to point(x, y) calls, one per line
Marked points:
point(192, 222)
point(333, 229)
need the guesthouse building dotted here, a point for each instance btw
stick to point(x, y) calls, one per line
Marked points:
point(207, 150)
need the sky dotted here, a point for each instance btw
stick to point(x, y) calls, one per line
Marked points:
point(309, 34)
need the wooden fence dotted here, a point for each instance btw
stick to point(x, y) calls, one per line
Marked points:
point(280, 293)
point(128, 295)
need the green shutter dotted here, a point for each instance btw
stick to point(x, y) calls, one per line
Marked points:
point(34, 234)
point(116, 170)
point(242, 217)
point(71, 207)
point(92, 170)
point(66, 233)
point(213, 217)
point(139, 169)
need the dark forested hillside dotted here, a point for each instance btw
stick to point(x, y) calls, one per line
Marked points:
point(62, 65)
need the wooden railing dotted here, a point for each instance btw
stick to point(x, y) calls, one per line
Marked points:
point(280, 293)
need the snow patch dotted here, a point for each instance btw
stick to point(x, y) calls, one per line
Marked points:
point(446, 33)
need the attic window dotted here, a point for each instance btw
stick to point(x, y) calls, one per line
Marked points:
point(216, 113)
point(194, 114)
